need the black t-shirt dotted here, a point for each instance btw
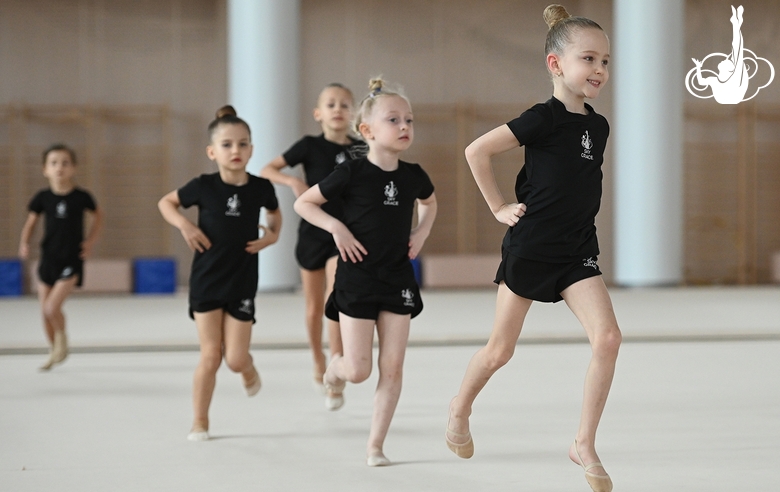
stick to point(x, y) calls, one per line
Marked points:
point(228, 215)
point(64, 229)
point(560, 183)
point(378, 209)
point(319, 157)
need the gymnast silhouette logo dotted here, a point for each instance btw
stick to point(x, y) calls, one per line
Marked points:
point(246, 306)
point(341, 158)
point(408, 296)
point(232, 204)
point(730, 84)
point(62, 210)
point(391, 192)
point(587, 144)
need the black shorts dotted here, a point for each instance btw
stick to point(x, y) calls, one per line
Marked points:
point(543, 281)
point(368, 306)
point(50, 271)
point(243, 310)
point(314, 249)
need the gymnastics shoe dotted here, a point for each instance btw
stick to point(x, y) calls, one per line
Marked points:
point(60, 351)
point(334, 398)
point(463, 450)
point(253, 386)
point(599, 483)
point(377, 459)
point(198, 435)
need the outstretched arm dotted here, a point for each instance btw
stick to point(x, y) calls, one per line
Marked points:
point(479, 154)
point(27, 230)
point(94, 230)
point(169, 208)
point(426, 214)
point(309, 206)
point(273, 173)
point(270, 232)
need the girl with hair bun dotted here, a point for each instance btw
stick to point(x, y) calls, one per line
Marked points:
point(315, 251)
point(375, 283)
point(223, 280)
point(550, 250)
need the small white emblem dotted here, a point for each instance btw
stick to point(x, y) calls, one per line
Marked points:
point(67, 272)
point(233, 203)
point(587, 144)
point(62, 210)
point(391, 192)
point(408, 296)
point(590, 262)
point(246, 306)
point(340, 158)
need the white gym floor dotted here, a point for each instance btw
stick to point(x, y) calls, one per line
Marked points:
point(695, 405)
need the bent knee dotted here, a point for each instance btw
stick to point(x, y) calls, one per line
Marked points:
point(51, 311)
point(497, 356)
point(237, 363)
point(608, 343)
point(357, 373)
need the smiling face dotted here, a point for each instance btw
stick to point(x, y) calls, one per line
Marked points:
point(581, 71)
point(59, 168)
point(390, 126)
point(230, 147)
point(334, 109)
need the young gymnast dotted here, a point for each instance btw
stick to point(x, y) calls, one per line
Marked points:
point(375, 284)
point(549, 252)
point(316, 252)
point(64, 247)
point(223, 280)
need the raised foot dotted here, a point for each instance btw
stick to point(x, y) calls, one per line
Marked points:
point(463, 444)
point(253, 385)
point(334, 398)
point(599, 482)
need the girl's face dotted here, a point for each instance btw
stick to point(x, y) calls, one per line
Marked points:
point(583, 66)
point(390, 126)
point(230, 147)
point(334, 109)
point(59, 167)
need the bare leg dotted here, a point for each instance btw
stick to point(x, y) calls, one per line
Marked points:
point(355, 365)
point(393, 333)
point(51, 299)
point(589, 301)
point(313, 283)
point(334, 330)
point(238, 337)
point(510, 314)
point(210, 335)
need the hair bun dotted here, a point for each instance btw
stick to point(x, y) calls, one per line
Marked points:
point(375, 85)
point(553, 14)
point(226, 110)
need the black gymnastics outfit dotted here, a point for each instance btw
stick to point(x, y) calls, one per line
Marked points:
point(378, 209)
point(319, 157)
point(63, 233)
point(225, 275)
point(554, 244)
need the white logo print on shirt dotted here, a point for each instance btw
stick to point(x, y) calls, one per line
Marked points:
point(391, 192)
point(408, 296)
point(62, 210)
point(233, 203)
point(340, 158)
point(587, 144)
